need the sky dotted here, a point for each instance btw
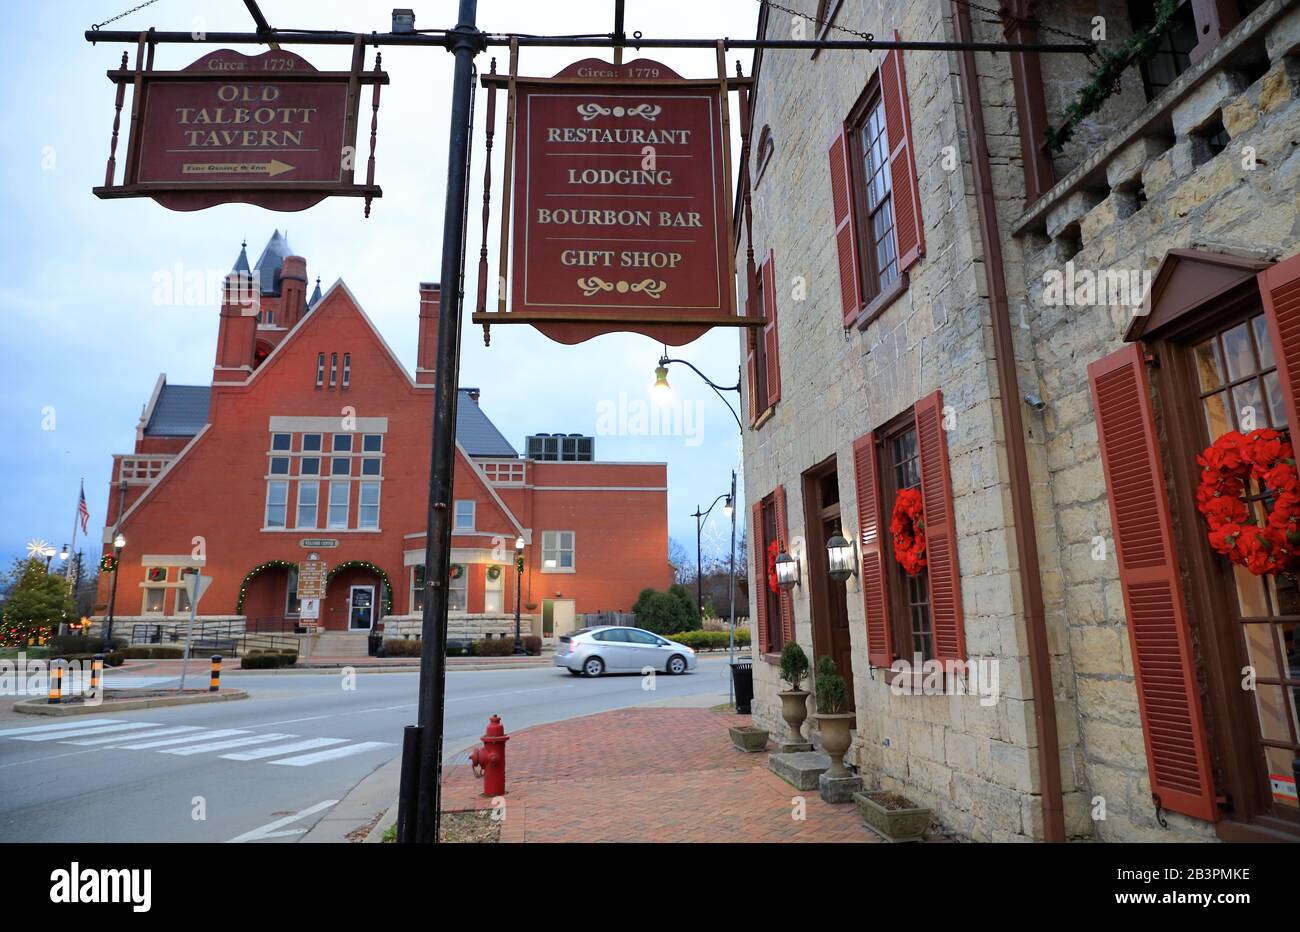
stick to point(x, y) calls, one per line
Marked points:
point(97, 296)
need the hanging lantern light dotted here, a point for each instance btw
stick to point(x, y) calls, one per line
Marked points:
point(787, 571)
point(841, 558)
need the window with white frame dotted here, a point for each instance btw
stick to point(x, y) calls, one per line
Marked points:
point(155, 593)
point(320, 369)
point(311, 443)
point(340, 466)
point(464, 520)
point(557, 551)
point(458, 588)
point(372, 443)
point(347, 369)
point(342, 443)
point(370, 466)
point(309, 466)
point(277, 501)
point(494, 590)
point(368, 506)
point(338, 506)
point(183, 597)
point(281, 442)
point(308, 499)
point(279, 465)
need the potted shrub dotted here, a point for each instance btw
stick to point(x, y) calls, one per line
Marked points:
point(794, 701)
point(749, 738)
point(892, 816)
point(833, 722)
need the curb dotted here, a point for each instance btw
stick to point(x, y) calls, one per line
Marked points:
point(43, 707)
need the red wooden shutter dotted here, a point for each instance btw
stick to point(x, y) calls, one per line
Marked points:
point(846, 238)
point(758, 595)
point(1178, 760)
point(1280, 288)
point(783, 531)
point(940, 530)
point(908, 231)
point(871, 542)
point(751, 372)
point(772, 350)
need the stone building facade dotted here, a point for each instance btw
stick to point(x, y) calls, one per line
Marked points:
point(930, 271)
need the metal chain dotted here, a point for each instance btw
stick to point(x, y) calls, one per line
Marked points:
point(133, 9)
point(869, 37)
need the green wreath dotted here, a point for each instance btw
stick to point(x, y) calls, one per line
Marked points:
point(494, 573)
point(457, 571)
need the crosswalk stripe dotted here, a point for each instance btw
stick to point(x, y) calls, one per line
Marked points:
point(78, 732)
point(201, 736)
point(59, 726)
point(222, 745)
point(332, 754)
point(157, 733)
point(279, 749)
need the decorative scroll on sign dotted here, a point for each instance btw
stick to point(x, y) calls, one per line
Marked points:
point(621, 204)
point(267, 129)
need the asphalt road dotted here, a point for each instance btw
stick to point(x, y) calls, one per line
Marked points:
point(237, 771)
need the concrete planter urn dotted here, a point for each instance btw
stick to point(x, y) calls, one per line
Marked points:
point(836, 739)
point(749, 738)
point(794, 709)
point(892, 816)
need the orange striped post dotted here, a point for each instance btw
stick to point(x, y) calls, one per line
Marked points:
point(56, 682)
point(96, 673)
point(214, 684)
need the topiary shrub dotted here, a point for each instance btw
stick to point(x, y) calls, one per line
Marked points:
point(794, 664)
point(495, 647)
point(532, 645)
point(830, 688)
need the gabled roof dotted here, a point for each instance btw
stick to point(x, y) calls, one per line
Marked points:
point(475, 432)
point(181, 411)
point(272, 262)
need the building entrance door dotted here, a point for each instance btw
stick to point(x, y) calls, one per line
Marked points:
point(559, 616)
point(830, 608)
point(361, 608)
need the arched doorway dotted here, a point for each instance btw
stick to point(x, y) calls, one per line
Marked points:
point(268, 596)
point(357, 596)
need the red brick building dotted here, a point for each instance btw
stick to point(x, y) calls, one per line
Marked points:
point(314, 439)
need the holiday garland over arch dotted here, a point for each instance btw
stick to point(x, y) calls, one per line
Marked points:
point(268, 565)
point(367, 565)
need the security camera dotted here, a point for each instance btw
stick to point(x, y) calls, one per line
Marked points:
point(1035, 402)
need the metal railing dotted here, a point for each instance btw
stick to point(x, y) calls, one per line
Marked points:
point(218, 637)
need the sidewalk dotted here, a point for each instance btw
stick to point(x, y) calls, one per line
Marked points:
point(647, 775)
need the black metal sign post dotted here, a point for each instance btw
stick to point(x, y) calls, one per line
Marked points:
point(422, 748)
point(467, 43)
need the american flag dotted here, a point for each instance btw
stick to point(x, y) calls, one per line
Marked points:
point(82, 511)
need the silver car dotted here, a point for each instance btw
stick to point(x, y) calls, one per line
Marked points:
point(611, 649)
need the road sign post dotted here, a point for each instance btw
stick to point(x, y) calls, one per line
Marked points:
point(195, 586)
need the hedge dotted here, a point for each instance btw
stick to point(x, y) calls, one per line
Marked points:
point(153, 652)
point(710, 640)
point(268, 660)
point(113, 659)
point(461, 647)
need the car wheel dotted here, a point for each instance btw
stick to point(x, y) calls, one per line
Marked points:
point(676, 664)
point(593, 666)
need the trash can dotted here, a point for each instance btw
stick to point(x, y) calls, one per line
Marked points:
point(742, 678)
point(375, 642)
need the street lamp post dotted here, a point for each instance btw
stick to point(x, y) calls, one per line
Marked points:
point(699, 517)
point(119, 542)
point(519, 578)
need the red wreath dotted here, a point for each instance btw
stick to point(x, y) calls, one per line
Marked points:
point(907, 525)
point(773, 549)
point(1226, 465)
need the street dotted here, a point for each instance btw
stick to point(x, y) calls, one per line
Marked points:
point(238, 771)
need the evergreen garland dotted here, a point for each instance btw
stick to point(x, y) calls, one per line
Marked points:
point(1105, 81)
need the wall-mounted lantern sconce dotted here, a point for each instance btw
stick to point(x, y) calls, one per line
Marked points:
point(787, 571)
point(841, 558)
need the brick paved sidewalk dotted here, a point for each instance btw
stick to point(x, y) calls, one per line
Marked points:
point(653, 775)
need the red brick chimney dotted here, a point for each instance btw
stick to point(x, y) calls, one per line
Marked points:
point(293, 291)
point(426, 353)
point(237, 330)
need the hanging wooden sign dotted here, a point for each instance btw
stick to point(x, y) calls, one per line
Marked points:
point(265, 129)
point(621, 204)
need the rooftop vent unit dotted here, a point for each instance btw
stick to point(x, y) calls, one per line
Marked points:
point(560, 448)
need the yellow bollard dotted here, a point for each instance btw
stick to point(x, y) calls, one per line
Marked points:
point(214, 685)
point(56, 682)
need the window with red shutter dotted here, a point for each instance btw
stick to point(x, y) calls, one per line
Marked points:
point(771, 348)
point(872, 527)
point(1177, 751)
point(875, 196)
point(1279, 288)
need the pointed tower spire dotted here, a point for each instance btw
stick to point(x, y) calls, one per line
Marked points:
point(241, 264)
point(315, 295)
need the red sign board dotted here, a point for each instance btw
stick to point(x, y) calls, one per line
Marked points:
point(621, 204)
point(267, 129)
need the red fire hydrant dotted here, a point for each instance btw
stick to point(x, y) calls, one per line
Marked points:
point(490, 760)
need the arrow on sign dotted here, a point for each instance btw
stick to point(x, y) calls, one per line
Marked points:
point(270, 169)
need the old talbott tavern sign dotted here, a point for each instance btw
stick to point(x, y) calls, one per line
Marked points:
point(621, 203)
point(268, 129)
